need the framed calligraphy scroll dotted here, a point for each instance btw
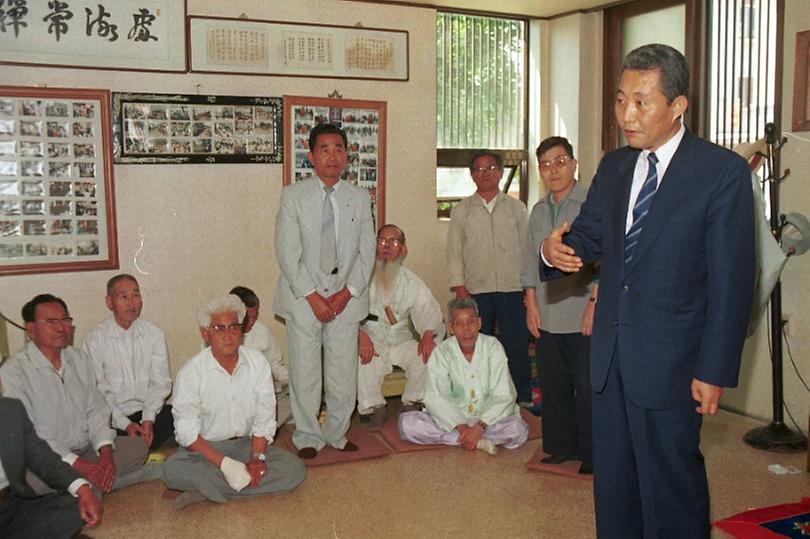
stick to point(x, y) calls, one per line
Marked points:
point(57, 201)
point(260, 47)
point(177, 128)
point(130, 35)
point(364, 124)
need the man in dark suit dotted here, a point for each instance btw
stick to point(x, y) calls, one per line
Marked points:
point(671, 218)
point(22, 513)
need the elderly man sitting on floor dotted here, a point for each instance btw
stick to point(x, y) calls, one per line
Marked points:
point(398, 300)
point(470, 397)
point(225, 418)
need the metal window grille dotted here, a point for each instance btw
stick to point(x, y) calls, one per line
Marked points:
point(742, 69)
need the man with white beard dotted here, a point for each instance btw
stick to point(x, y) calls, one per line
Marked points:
point(386, 338)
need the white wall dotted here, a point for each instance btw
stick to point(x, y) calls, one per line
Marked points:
point(207, 228)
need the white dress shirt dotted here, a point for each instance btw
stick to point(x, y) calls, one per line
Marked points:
point(261, 338)
point(215, 405)
point(132, 368)
point(664, 155)
point(66, 407)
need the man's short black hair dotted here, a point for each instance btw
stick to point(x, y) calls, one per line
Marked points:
point(669, 61)
point(486, 153)
point(248, 296)
point(553, 142)
point(120, 277)
point(29, 309)
point(326, 129)
point(395, 227)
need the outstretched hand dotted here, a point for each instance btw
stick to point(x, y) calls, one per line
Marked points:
point(558, 254)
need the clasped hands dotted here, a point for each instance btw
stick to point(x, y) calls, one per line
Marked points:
point(102, 473)
point(470, 435)
point(327, 309)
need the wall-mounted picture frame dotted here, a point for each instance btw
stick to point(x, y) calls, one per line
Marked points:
point(122, 35)
point(57, 196)
point(801, 82)
point(365, 125)
point(263, 47)
point(182, 129)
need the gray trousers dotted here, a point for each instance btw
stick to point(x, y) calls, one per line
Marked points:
point(336, 375)
point(129, 455)
point(189, 471)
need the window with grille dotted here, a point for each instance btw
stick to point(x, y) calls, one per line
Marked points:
point(480, 100)
point(741, 82)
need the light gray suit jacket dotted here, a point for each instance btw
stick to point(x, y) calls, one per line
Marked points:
point(298, 238)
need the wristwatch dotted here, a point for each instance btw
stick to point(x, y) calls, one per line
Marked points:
point(261, 457)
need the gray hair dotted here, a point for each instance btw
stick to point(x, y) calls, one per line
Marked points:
point(459, 304)
point(669, 61)
point(223, 304)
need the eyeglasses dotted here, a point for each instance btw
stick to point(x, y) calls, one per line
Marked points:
point(558, 162)
point(222, 328)
point(490, 168)
point(385, 242)
point(53, 322)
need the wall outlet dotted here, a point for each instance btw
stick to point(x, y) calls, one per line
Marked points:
point(787, 325)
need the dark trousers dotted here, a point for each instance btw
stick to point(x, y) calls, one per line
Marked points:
point(162, 429)
point(53, 515)
point(564, 369)
point(506, 311)
point(649, 476)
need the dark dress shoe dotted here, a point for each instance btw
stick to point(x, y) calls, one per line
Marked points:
point(586, 468)
point(556, 459)
point(307, 453)
point(349, 447)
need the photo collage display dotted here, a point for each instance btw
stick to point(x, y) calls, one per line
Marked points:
point(51, 180)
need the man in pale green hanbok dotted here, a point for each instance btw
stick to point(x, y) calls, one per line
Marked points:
point(469, 397)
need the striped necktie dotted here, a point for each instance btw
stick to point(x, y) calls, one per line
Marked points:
point(328, 242)
point(642, 206)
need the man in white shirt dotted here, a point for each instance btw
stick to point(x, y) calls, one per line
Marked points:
point(470, 397)
point(57, 385)
point(398, 298)
point(224, 417)
point(259, 337)
point(132, 365)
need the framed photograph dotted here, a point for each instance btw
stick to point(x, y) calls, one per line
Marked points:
point(176, 128)
point(261, 47)
point(364, 124)
point(147, 35)
point(57, 198)
point(801, 82)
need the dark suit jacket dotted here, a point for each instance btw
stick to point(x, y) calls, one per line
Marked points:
point(680, 308)
point(21, 448)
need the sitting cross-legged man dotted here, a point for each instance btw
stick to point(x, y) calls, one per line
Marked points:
point(224, 418)
point(57, 385)
point(398, 298)
point(469, 397)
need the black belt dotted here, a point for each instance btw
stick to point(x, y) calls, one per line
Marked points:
point(4, 494)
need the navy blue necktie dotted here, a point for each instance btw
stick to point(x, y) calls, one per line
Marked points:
point(640, 209)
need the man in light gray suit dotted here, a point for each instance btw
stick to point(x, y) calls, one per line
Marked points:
point(325, 246)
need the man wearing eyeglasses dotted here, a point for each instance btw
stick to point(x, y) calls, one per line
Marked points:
point(57, 385)
point(559, 314)
point(398, 298)
point(484, 257)
point(132, 365)
point(225, 417)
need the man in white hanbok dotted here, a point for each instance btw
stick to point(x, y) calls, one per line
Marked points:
point(470, 397)
point(400, 303)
